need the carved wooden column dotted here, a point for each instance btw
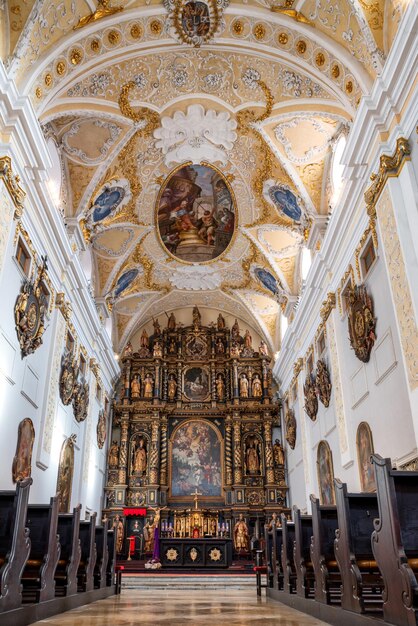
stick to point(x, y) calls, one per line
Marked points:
point(237, 453)
point(153, 460)
point(236, 387)
point(157, 384)
point(127, 383)
point(179, 385)
point(265, 380)
point(123, 452)
point(228, 451)
point(163, 453)
point(268, 447)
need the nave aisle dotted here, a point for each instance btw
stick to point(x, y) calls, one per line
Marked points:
point(158, 608)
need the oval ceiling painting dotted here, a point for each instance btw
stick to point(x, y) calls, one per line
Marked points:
point(125, 280)
point(106, 203)
point(196, 213)
point(267, 280)
point(286, 202)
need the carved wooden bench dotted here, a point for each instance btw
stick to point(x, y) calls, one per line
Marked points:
point(102, 556)
point(395, 541)
point(287, 560)
point(305, 575)
point(38, 575)
point(327, 574)
point(66, 571)
point(14, 543)
point(362, 584)
point(85, 574)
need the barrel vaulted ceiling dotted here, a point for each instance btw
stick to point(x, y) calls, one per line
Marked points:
point(126, 99)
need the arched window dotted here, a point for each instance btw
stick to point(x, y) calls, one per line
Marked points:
point(325, 471)
point(337, 168)
point(365, 449)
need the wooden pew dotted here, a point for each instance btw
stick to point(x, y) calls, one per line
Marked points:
point(327, 574)
point(38, 576)
point(287, 561)
point(14, 543)
point(395, 541)
point(268, 551)
point(85, 574)
point(362, 584)
point(66, 571)
point(277, 558)
point(102, 555)
point(111, 561)
point(305, 575)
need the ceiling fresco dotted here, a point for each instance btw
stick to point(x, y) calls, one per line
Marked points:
point(196, 140)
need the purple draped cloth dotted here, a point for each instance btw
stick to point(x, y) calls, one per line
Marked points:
point(156, 551)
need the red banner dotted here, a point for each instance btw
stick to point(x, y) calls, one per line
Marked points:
point(135, 511)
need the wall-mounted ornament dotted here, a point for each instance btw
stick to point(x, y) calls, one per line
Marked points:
point(197, 136)
point(81, 401)
point(65, 474)
point(290, 421)
point(196, 213)
point(285, 201)
point(323, 382)
point(68, 378)
point(101, 429)
point(12, 182)
point(195, 22)
point(30, 309)
point(361, 322)
point(22, 462)
point(311, 400)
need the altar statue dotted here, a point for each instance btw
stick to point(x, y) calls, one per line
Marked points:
point(144, 341)
point(197, 318)
point(248, 340)
point(148, 386)
point(158, 349)
point(172, 387)
point(157, 328)
point(221, 322)
point(235, 330)
point(256, 387)
point(135, 387)
point(243, 386)
point(171, 325)
point(220, 387)
point(113, 454)
point(128, 350)
point(119, 530)
point(140, 458)
point(252, 461)
point(156, 532)
point(262, 349)
point(241, 536)
point(278, 453)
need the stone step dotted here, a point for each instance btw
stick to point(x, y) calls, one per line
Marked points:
point(173, 582)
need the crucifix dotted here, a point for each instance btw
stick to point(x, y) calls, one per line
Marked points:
point(195, 494)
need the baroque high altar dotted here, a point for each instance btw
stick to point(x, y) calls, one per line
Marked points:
point(195, 415)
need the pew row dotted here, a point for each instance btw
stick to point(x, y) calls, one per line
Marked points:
point(326, 573)
point(362, 584)
point(38, 575)
point(67, 568)
point(14, 544)
point(305, 575)
point(395, 541)
point(85, 574)
point(100, 568)
point(287, 560)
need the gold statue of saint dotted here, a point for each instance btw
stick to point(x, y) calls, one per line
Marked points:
point(102, 10)
point(257, 389)
point(241, 537)
point(172, 387)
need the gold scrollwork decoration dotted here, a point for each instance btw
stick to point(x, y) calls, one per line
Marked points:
point(12, 182)
point(102, 10)
point(30, 309)
point(327, 306)
point(150, 119)
point(390, 166)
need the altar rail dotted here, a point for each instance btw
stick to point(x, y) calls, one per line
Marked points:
point(355, 563)
point(50, 562)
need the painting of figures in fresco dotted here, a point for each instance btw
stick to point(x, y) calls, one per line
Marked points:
point(286, 202)
point(107, 202)
point(267, 279)
point(196, 460)
point(196, 213)
point(124, 281)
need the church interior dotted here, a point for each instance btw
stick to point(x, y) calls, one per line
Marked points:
point(209, 312)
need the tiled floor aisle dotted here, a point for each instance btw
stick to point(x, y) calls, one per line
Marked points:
point(193, 608)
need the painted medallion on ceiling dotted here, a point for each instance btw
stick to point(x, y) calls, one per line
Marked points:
point(196, 213)
point(267, 280)
point(124, 281)
point(285, 201)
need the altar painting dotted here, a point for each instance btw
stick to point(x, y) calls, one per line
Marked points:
point(196, 384)
point(196, 460)
point(196, 213)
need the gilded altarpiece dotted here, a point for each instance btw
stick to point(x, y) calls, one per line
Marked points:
point(195, 415)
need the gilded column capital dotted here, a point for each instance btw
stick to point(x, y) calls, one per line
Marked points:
point(12, 182)
point(390, 166)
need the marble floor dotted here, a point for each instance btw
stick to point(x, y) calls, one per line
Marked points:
point(192, 608)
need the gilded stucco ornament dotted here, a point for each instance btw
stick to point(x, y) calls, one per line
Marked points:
point(30, 309)
point(197, 135)
point(81, 401)
point(195, 22)
point(12, 182)
point(323, 382)
point(68, 378)
point(290, 422)
point(101, 429)
point(311, 401)
point(102, 10)
point(361, 322)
